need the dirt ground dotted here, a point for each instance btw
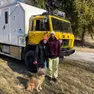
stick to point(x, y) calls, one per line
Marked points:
point(82, 56)
point(84, 49)
point(74, 78)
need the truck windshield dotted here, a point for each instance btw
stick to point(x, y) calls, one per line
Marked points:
point(60, 25)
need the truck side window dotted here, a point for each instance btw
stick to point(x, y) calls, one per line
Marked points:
point(38, 28)
point(42, 25)
point(6, 17)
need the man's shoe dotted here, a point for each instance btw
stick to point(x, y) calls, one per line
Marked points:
point(49, 79)
point(55, 80)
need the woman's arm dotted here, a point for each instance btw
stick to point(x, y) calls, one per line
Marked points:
point(36, 53)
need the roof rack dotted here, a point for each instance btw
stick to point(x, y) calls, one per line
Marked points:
point(59, 13)
point(56, 13)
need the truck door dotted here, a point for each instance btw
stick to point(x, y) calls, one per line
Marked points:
point(6, 32)
point(40, 29)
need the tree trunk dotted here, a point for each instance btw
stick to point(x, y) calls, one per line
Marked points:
point(83, 36)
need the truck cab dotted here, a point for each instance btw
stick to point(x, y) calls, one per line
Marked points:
point(42, 25)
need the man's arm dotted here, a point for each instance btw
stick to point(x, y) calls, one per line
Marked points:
point(59, 48)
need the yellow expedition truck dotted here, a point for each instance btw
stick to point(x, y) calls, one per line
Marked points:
point(21, 31)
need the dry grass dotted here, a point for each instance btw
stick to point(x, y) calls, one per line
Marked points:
point(74, 78)
point(88, 45)
point(77, 77)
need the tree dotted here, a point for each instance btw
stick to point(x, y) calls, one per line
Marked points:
point(85, 17)
point(30, 2)
point(40, 3)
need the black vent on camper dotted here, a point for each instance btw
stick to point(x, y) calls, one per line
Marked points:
point(6, 17)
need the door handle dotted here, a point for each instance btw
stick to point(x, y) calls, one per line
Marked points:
point(4, 27)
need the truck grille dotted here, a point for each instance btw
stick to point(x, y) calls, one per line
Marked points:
point(65, 42)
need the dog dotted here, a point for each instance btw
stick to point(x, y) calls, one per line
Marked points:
point(36, 81)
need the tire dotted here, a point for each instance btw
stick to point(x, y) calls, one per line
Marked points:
point(29, 59)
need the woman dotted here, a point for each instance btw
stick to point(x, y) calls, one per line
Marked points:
point(41, 53)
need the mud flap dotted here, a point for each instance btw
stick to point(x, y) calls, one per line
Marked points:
point(66, 52)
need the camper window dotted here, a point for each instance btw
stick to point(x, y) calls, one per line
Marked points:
point(6, 17)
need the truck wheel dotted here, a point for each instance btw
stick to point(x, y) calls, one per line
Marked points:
point(29, 59)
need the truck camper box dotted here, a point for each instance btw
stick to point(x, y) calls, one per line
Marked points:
point(14, 22)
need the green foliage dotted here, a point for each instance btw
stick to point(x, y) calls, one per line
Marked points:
point(85, 15)
point(40, 3)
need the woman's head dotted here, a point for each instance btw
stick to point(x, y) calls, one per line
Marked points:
point(45, 39)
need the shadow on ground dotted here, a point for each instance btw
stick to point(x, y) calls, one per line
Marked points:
point(16, 65)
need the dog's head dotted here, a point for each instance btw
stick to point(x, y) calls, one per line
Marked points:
point(41, 71)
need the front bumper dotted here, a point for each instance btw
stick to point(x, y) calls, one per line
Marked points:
point(66, 52)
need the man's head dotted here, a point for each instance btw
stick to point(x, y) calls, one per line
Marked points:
point(52, 35)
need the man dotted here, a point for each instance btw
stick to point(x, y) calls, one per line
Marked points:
point(53, 62)
point(41, 53)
